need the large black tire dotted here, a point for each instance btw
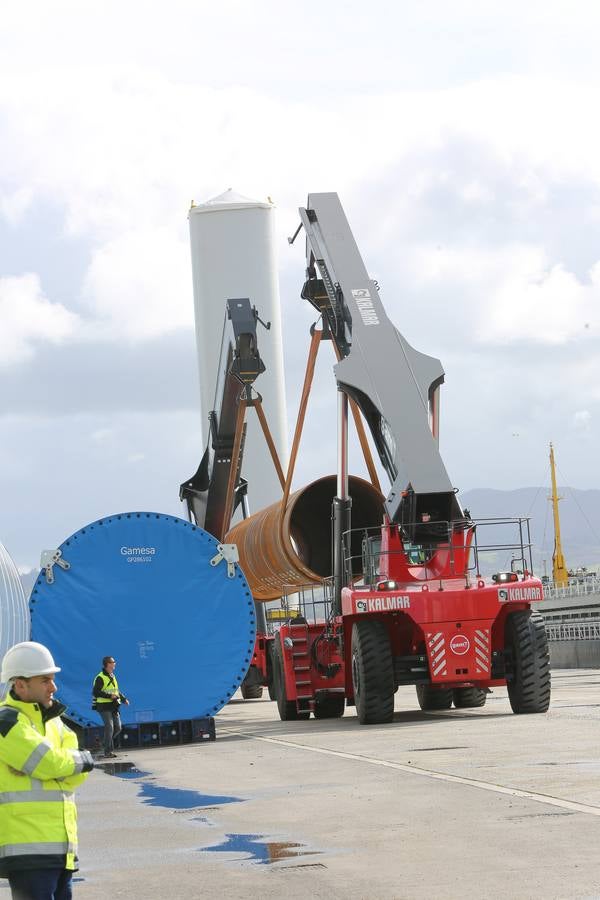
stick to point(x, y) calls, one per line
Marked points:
point(287, 709)
point(431, 698)
point(529, 687)
point(251, 691)
point(331, 706)
point(372, 672)
point(469, 697)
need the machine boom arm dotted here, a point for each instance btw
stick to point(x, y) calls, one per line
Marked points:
point(395, 386)
point(207, 492)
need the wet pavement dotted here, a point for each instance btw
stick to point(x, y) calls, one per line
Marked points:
point(467, 803)
point(258, 849)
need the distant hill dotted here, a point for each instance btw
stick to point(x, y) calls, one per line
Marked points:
point(579, 520)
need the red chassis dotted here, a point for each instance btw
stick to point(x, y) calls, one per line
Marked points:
point(453, 637)
point(259, 673)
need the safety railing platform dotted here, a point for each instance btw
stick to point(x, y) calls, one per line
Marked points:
point(580, 631)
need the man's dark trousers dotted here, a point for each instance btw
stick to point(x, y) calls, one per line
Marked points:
point(112, 727)
point(41, 884)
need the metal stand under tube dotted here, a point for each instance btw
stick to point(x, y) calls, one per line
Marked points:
point(341, 506)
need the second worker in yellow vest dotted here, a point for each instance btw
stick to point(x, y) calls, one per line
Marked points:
point(107, 699)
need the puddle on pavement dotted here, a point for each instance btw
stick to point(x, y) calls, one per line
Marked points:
point(122, 769)
point(170, 798)
point(178, 798)
point(260, 851)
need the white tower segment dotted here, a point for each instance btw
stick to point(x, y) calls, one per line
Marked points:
point(15, 623)
point(233, 255)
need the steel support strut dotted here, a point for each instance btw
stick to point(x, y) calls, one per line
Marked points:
point(341, 506)
point(261, 618)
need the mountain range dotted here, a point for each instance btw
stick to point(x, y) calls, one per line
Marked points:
point(579, 512)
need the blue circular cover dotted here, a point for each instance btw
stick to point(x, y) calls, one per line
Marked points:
point(140, 587)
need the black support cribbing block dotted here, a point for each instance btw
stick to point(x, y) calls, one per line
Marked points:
point(149, 734)
point(90, 738)
point(129, 737)
point(203, 729)
point(170, 733)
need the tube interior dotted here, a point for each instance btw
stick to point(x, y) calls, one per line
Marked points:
point(310, 524)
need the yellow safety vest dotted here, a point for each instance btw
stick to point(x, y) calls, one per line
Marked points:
point(40, 766)
point(110, 685)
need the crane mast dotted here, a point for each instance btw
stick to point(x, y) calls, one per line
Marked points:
point(560, 575)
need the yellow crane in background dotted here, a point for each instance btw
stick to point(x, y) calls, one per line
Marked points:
point(560, 575)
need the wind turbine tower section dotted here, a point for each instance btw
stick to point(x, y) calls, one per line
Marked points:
point(233, 256)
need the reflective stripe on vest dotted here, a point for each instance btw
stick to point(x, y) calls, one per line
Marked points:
point(32, 761)
point(38, 848)
point(38, 795)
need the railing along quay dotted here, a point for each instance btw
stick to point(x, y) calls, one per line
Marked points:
point(575, 589)
point(580, 631)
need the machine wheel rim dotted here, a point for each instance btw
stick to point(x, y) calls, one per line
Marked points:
point(355, 674)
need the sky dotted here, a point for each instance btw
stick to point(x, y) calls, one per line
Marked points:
point(464, 144)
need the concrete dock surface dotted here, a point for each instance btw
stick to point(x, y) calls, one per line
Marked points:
point(466, 803)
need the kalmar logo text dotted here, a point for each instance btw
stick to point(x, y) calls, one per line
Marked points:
point(525, 593)
point(365, 306)
point(381, 604)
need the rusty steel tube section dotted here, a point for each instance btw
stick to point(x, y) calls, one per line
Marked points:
point(275, 559)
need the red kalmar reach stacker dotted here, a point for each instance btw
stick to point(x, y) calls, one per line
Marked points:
point(409, 600)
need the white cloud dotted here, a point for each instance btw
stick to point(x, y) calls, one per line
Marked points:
point(511, 293)
point(100, 435)
point(14, 204)
point(122, 149)
point(582, 419)
point(28, 317)
point(542, 305)
point(138, 285)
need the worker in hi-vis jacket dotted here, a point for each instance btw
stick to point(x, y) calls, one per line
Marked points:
point(107, 699)
point(40, 766)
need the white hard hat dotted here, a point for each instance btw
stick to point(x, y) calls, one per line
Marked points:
point(26, 660)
